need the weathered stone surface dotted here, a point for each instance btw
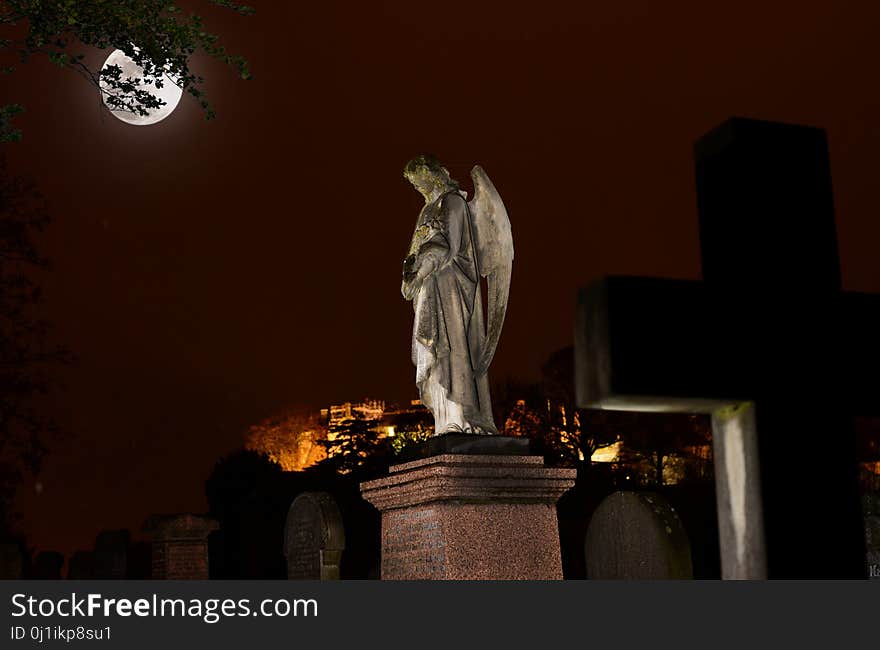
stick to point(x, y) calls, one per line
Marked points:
point(451, 347)
point(738, 493)
point(637, 536)
point(470, 517)
point(180, 546)
point(314, 537)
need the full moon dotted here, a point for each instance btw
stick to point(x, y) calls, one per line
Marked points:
point(170, 92)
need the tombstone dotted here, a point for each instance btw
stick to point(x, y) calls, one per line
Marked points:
point(637, 536)
point(48, 565)
point(871, 505)
point(111, 554)
point(314, 538)
point(81, 566)
point(767, 344)
point(180, 546)
point(11, 561)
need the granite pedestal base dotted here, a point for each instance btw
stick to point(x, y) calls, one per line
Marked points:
point(470, 517)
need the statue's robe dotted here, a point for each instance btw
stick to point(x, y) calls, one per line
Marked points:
point(448, 335)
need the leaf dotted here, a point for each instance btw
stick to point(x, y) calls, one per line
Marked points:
point(157, 34)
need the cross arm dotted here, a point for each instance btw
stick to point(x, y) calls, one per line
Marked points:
point(651, 344)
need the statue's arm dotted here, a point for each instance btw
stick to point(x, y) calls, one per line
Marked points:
point(439, 250)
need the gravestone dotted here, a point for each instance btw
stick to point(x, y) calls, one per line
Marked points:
point(637, 536)
point(81, 566)
point(111, 554)
point(180, 546)
point(871, 504)
point(314, 538)
point(768, 345)
point(11, 562)
point(47, 565)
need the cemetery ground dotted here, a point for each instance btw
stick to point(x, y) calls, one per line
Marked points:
point(251, 530)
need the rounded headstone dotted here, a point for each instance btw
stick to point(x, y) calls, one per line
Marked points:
point(637, 536)
point(314, 537)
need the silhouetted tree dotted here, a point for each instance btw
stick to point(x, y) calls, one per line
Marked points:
point(290, 438)
point(519, 410)
point(575, 434)
point(249, 495)
point(651, 437)
point(410, 428)
point(868, 437)
point(356, 446)
point(25, 354)
point(157, 34)
point(506, 395)
point(658, 436)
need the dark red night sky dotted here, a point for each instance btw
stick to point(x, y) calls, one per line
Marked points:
point(208, 274)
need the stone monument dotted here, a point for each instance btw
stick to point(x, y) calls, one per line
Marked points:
point(180, 546)
point(768, 344)
point(470, 504)
point(314, 538)
point(455, 243)
point(637, 536)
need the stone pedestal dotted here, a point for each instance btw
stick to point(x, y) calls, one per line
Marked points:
point(180, 546)
point(470, 517)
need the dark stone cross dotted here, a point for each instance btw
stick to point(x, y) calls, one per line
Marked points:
point(767, 343)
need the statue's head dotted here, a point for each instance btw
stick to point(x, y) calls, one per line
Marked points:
point(428, 176)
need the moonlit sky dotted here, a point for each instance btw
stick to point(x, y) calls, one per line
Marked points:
point(206, 275)
point(169, 93)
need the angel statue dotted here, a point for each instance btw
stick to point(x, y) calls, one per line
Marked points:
point(455, 243)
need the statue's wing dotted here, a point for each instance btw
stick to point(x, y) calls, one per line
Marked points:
point(494, 247)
